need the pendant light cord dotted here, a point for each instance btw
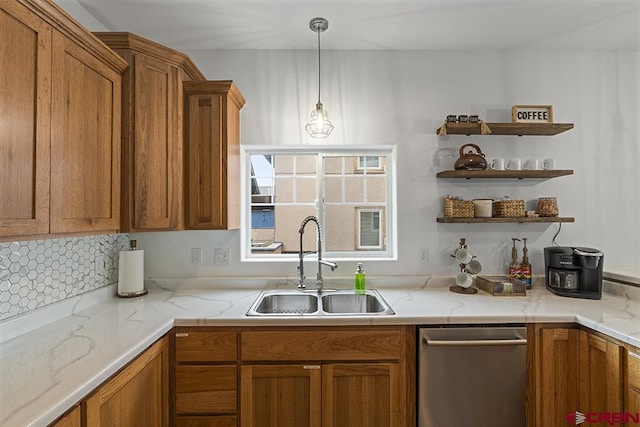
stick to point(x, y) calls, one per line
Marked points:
point(319, 80)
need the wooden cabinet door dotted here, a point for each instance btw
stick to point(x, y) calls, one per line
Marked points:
point(154, 194)
point(557, 367)
point(633, 382)
point(85, 141)
point(71, 419)
point(601, 382)
point(137, 396)
point(280, 395)
point(212, 141)
point(363, 394)
point(25, 104)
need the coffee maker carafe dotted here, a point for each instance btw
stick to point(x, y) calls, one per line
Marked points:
point(574, 271)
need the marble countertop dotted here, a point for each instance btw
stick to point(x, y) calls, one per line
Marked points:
point(625, 273)
point(46, 370)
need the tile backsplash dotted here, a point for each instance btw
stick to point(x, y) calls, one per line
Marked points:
point(40, 272)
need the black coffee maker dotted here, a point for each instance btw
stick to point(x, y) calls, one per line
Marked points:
point(574, 271)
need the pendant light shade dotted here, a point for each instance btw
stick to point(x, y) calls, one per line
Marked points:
point(319, 125)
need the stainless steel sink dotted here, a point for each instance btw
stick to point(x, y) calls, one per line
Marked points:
point(310, 303)
point(289, 303)
point(352, 303)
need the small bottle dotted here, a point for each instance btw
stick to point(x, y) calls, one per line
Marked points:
point(514, 265)
point(359, 280)
point(525, 267)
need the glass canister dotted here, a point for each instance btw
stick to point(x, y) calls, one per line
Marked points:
point(547, 206)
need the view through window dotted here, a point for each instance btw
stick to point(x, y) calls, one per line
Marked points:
point(350, 192)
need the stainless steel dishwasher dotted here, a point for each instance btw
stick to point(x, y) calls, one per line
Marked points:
point(472, 376)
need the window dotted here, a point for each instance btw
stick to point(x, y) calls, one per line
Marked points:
point(350, 190)
point(369, 163)
point(369, 233)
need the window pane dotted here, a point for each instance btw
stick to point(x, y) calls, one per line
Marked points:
point(376, 189)
point(354, 189)
point(369, 228)
point(353, 192)
point(339, 228)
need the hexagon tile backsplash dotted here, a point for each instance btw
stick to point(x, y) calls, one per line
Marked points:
point(40, 272)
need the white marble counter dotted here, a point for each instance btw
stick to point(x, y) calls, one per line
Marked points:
point(623, 273)
point(46, 370)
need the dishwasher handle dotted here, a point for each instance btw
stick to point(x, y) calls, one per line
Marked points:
point(474, 343)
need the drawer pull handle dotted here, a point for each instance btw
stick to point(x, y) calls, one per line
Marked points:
point(182, 334)
point(311, 367)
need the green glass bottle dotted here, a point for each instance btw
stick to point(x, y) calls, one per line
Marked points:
point(359, 281)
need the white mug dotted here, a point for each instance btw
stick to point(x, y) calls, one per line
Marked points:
point(464, 280)
point(497, 164)
point(532, 164)
point(514, 165)
point(474, 267)
point(548, 164)
point(463, 255)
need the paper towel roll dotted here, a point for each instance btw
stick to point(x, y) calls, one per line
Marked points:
point(131, 274)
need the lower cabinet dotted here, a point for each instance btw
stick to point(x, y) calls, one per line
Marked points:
point(205, 377)
point(306, 376)
point(328, 377)
point(578, 373)
point(347, 394)
point(601, 374)
point(136, 396)
point(281, 395)
point(633, 381)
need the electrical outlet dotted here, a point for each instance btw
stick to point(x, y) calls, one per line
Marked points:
point(196, 256)
point(99, 265)
point(221, 256)
point(423, 255)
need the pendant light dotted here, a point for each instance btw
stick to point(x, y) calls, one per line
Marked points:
point(319, 125)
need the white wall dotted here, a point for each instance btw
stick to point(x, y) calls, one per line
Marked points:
point(401, 97)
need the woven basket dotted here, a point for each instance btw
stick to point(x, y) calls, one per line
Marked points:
point(508, 209)
point(454, 208)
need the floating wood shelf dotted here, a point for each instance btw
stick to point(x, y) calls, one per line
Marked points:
point(519, 129)
point(504, 220)
point(519, 174)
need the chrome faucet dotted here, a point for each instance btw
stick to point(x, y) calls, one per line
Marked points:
point(321, 262)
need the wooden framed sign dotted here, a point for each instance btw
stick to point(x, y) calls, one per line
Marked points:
point(532, 114)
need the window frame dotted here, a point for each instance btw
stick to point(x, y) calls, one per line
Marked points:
point(389, 212)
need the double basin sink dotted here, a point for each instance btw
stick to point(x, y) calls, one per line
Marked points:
point(312, 303)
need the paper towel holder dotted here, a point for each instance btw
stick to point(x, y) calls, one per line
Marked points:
point(131, 272)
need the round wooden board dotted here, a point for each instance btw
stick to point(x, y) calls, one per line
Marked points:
point(460, 290)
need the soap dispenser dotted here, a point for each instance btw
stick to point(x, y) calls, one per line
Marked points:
point(525, 267)
point(514, 265)
point(359, 279)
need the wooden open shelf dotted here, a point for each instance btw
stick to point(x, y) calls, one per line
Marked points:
point(519, 174)
point(519, 129)
point(504, 220)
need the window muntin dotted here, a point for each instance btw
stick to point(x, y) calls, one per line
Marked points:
point(341, 187)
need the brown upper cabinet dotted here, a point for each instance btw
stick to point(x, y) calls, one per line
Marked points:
point(212, 141)
point(152, 146)
point(60, 147)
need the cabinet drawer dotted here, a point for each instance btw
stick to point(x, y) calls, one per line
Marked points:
point(219, 421)
point(381, 343)
point(633, 366)
point(199, 346)
point(206, 389)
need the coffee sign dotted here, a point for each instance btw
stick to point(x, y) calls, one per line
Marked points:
point(532, 114)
